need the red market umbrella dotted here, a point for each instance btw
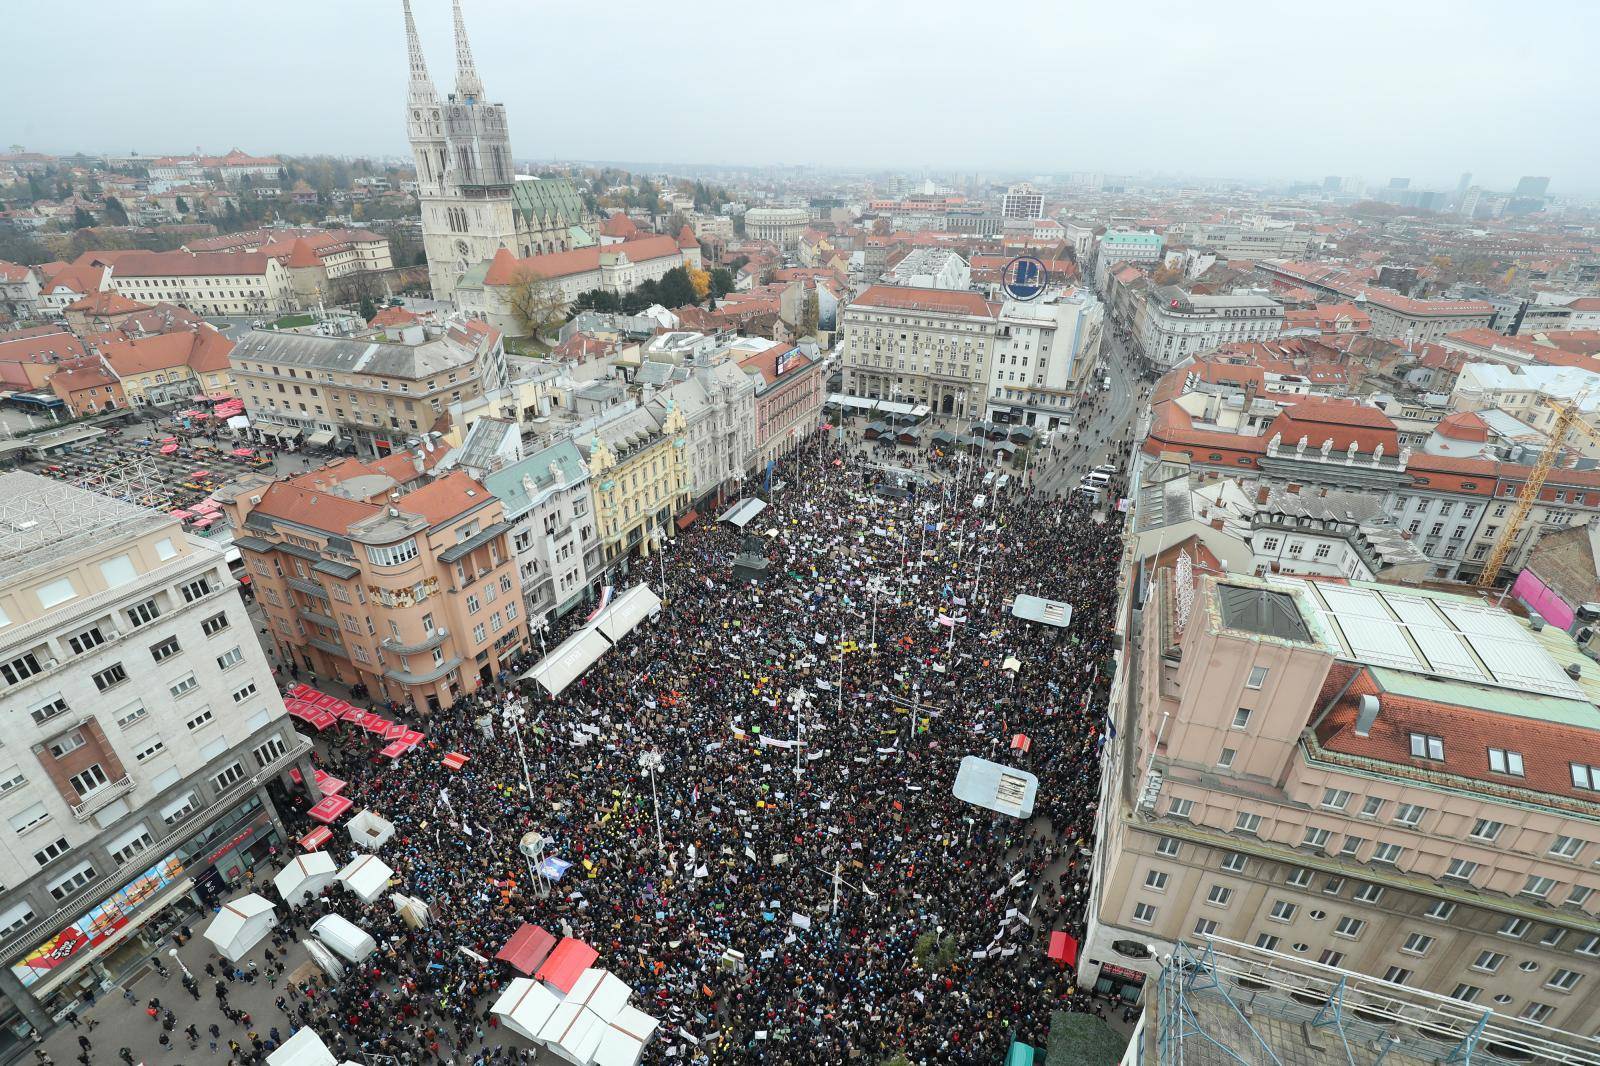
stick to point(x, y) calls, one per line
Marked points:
point(394, 749)
point(1063, 948)
point(322, 720)
point(1021, 742)
point(454, 761)
point(316, 838)
point(168, 449)
point(329, 808)
point(374, 724)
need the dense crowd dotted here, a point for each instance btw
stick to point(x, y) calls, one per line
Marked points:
point(809, 729)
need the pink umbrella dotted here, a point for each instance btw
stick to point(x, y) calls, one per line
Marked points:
point(168, 449)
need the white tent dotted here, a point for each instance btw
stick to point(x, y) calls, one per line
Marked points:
point(741, 513)
point(624, 1041)
point(525, 1006)
point(305, 877)
point(626, 612)
point(304, 1048)
point(324, 958)
point(370, 831)
point(602, 991)
point(573, 1032)
point(568, 662)
point(412, 910)
point(367, 876)
point(345, 938)
point(240, 926)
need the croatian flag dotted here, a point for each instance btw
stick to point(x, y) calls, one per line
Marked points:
point(605, 601)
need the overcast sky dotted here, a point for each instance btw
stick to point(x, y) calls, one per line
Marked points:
point(1231, 88)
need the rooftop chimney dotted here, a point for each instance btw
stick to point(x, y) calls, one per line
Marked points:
point(1366, 714)
point(1574, 671)
point(1263, 493)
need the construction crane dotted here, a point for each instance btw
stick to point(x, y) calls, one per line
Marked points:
point(1568, 416)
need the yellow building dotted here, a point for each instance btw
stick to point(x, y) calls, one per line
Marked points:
point(171, 367)
point(640, 479)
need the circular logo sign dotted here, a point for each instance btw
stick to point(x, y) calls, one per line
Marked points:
point(1024, 278)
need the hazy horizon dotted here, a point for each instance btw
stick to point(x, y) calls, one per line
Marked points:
point(1238, 91)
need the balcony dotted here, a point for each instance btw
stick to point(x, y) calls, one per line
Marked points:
point(327, 621)
point(425, 678)
point(101, 797)
point(310, 588)
point(428, 643)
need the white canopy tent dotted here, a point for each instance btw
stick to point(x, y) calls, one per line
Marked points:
point(305, 877)
point(568, 662)
point(327, 960)
point(304, 1048)
point(525, 1006)
point(343, 937)
point(624, 1041)
point(367, 876)
point(370, 831)
point(602, 991)
point(240, 926)
point(626, 612)
point(741, 513)
point(573, 1033)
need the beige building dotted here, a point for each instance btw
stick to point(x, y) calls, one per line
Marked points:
point(142, 727)
point(367, 575)
point(207, 283)
point(920, 346)
point(640, 479)
point(1387, 780)
point(361, 393)
point(783, 226)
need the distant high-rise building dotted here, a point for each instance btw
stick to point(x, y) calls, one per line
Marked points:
point(1022, 201)
point(1331, 183)
point(1467, 206)
point(1399, 183)
point(1533, 187)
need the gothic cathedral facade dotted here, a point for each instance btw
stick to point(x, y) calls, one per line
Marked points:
point(473, 201)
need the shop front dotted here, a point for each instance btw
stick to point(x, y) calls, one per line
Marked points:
point(1119, 981)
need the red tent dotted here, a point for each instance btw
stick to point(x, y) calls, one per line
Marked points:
point(329, 808)
point(316, 838)
point(394, 749)
point(411, 738)
point(454, 761)
point(330, 785)
point(396, 731)
point(377, 725)
point(527, 948)
point(1063, 948)
point(569, 959)
point(321, 720)
point(303, 692)
point(1021, 742)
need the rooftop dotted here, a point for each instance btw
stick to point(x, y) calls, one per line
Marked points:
point(1262, 610)
point(43, 520)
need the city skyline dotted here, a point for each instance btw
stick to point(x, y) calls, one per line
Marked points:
point(1118, 114)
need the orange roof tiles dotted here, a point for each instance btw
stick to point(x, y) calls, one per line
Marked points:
point(1463, 425)
point(107, 302)
point(618, 225)
point(1341, 421)
point(941, 301)
point(393, 316)
point(505, 266)
point(445, 499)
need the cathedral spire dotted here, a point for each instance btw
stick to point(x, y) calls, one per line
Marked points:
point(468, 87)
point(421, 84)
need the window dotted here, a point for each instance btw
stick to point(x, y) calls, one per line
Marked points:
point(1409, 814)
point(201, 720)
point(1315, 838)
point(1370, 807)
point(1566, 847)
point(1283, 911)
point(1536, 1012)
point(1426, 747)
point(1234, 862)
point(1329, 957)
point(1167, 846)
point(1299, 877)
point(1553, 937)
point(1584, 776)
point(392, 554)
point(1417, 944)
point(1387, 853)
point(1144, 913)
point(150, 750)
point(11, 778)
point(85, 781)
point(1180, 808)
point(1156, 879)
point(110, 677)
point(87, 640)
point(1247, 823)
point(27, 819)
point(64, 886)
point(126, 848)
point(66, 744)
point(1579, 895)
point(1225, 760)
point(56, 593)
point(1351, 845)
point(1538, 887)
point(1505, 762)
point(49, 708)
point(478, 635)
point(1466, 993)
point(1349, 927)
point(164, 549)
point(1219, 895)
point(1461, 870)
point(1266, 942)
point(244, 692)
point(231, 657)
point(165, 650)
point(1241, 718)
point(270, 751)
point(51, 852)
point(1258, 677)
point(229, 776)
point(142, 614)
point(473, 605)
point(1564, 980)
point(1514, 927)
point(196, 589)
point(183, 686)
point(1335, 798)
point(15, 919)
point(215, 624)
point(1485, 829)
point(1368, 893)
point(1205, 927)
point(1591, 946)
point(182, 807)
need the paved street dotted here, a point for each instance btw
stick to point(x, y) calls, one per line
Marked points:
point(1102, 418)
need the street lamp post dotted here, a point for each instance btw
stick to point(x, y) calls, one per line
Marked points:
point(174, 953)
point(650, 762)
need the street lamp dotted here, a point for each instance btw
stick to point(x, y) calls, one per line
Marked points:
point(650, 762)
point(174, 953)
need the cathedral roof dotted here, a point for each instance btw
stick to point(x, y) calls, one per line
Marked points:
point(619, 225)
point(686, 237)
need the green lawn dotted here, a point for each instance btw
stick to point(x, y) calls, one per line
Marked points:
point(294, 321)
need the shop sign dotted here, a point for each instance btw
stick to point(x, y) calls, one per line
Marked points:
point(100, 924)
point(1132, 977)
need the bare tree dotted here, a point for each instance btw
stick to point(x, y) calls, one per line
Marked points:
point(535, 301)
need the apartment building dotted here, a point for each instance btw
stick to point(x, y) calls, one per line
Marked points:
point(783, 226)
point(1170, 324)
point(1393, 781)
point(1042, 352)
point(144, 726)
point(363, 394)
point(641, 481)
point(789, 391)
point(207, 283)
point(1400, 318)
point(1234, 241)
point(411, 591)
point(1022, 201)
point(717, 403)
point(170, 368)
point(928, 346)
point(1134, 247)
point(549, 504)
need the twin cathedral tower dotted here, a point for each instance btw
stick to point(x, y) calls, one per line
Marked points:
point(473, 201)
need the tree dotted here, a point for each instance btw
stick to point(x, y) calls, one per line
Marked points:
point(116, 212)
point(722, 281)
point(596, 300)
point(20, 246)
point(359, 287)
point(810, 311)
point(701, 280)
point(81, 219)
point(182, 205)
point(369, 309)
point(676, 288)
point(535, 301)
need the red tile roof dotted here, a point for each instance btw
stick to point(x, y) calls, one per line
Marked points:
point(393, 316)
point(49, 344)
point(941, 301)
point(1340, 421)
point(1463, 425)
point(442, 500)
point(143, 264)
point(108, 302)
point(618, 225)
point(13, 272)
point(503, 270)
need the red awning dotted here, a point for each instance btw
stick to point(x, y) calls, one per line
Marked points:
point(396, 731)
point(353, 714)
point(569, 959)
point(329, 808)
point(316, 838)
point(688, 519)
point(1063, 948)
point(303, 692)
point(321, 720)
point(394, 749)
point(330, 785)
point(326, 701)
point(454, 761)
point(374, 724)
point(527, 948)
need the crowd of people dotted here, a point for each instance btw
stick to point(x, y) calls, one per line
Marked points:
point(795, 882)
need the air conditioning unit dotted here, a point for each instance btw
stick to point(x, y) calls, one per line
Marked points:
point(51, 664)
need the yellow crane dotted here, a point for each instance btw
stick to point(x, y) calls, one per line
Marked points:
point(1568, 417)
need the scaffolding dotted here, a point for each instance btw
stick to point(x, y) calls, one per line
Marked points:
point(39, 512)
point(1224, 1003)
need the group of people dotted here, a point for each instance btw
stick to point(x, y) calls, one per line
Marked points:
point(787, 876)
